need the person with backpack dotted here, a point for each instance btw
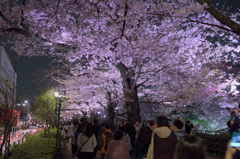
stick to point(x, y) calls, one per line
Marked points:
point(118, 149)
point(106, 136)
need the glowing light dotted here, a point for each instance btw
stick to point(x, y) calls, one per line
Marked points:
point(56, 94)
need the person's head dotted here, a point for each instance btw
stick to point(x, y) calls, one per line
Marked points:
point(137, 122)
point(95, 121)
point(189, 147)
point(81, 127)
point(148, 122)
point(191, 125)
point(107, 126)
point(152, 124)
point(103, 124)
point(88, 130)
point(178, 123)
point(229, 123)
point(126, 121)
point(118, 135)
point(83, 120)
point(75, 123)
point(187, 122)
point(162, 121)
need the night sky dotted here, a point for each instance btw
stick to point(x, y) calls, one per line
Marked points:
point(25, 69)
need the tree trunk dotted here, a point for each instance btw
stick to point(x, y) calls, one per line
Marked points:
point(110, 112)
point(130, 93)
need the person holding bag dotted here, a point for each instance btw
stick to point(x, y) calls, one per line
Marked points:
point(86, 143)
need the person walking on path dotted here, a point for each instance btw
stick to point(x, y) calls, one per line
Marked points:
point(163, 141)
point(117, 149)
point(106, 136)
point(73, 130)
point(87, 142)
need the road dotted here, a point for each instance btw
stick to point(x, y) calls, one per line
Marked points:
point(21, 134)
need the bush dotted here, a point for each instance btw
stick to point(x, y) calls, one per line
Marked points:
point(36, 147)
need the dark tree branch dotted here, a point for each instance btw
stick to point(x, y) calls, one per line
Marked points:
point(214, 25)
point(124, 21)
point(104, 107)
point(4, 18)
point(221, 17)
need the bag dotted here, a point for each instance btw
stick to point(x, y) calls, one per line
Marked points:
point(109, 137)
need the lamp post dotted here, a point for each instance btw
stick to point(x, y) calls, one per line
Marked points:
point(58, 106)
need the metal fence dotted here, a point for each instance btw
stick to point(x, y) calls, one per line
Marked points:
point(216, 141)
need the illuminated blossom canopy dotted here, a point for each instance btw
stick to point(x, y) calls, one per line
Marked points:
point(166, 50)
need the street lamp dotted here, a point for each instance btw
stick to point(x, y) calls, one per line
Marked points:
point(58, 105)
point(56, 94)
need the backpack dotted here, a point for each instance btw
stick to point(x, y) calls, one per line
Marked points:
point(109, 137)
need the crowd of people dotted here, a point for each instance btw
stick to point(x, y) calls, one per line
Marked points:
point(153, 139)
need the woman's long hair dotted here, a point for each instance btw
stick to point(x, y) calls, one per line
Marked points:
point(190, 147)
point(88, 130)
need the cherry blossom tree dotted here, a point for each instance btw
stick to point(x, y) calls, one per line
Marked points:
point(151, 44)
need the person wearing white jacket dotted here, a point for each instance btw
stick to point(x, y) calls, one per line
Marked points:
point(87, 142)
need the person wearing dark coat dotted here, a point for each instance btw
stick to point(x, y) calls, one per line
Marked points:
point(143, 141)
point(233, 124)
point(233, 127)
point(163, 141)
point(95, 129)
point(130, 130)
point(187, 127)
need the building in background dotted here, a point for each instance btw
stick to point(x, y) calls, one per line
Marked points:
point(8, 79)
point(6, 70)
point(24, 108)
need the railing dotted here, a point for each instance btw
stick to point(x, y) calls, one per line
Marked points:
point(216, 141)
point(218, 132)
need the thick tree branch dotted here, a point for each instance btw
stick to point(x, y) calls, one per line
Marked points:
point(138, 74)
point(104, 107)
point(221, 17)
point(214, 25)
point(142, 83)
point(124, 21)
